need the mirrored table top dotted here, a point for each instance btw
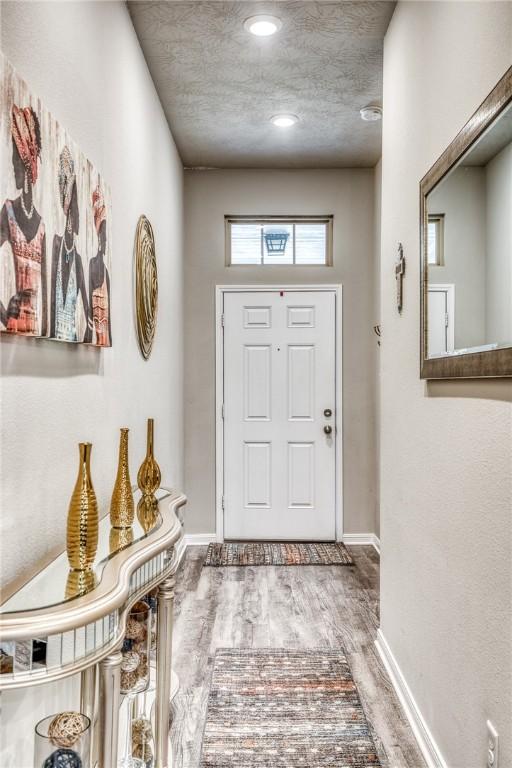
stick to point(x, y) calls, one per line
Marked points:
point(56, 583)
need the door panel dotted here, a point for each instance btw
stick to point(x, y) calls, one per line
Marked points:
point(437, 310)
point(257, 469)
point(301, 475)
point(301, 317)
point(441, 318)
point(257, 382)
point(301, 382)
point(257, 317)
point(279, 377)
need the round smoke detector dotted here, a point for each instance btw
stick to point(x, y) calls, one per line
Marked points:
point(371, 113)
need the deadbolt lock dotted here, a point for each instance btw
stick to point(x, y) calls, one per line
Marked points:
point(327, 412)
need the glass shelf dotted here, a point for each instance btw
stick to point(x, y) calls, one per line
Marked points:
point(56, 584)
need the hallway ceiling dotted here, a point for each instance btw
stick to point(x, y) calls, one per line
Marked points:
point(219, 85)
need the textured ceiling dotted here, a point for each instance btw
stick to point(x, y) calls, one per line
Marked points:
point(219, 85)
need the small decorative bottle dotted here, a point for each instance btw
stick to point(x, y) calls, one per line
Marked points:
point(122, 510)
point(147, 512)
point(149, 475)
point(82, 525)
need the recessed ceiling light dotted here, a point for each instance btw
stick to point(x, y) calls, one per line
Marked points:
point(262, 26)
point(371, 113)
point(284, 121)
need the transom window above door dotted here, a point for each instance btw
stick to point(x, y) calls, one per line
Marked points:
point(435, 244)
point(274, 240)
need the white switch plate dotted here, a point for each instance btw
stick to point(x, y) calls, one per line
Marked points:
point(492, 746)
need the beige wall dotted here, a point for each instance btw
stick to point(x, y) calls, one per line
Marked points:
point(84, 61)
point(446, 447)
point(461, 197)
point(376, 322)
point(348, 194)
point(499, 247)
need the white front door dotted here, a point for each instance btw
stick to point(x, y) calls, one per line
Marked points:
point(279, 415)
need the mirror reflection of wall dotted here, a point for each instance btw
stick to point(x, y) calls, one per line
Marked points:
point(470, 247)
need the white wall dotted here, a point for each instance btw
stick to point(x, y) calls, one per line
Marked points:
point(499, 247)
point(349, 195)
point(84, 61)
point(376, 322)
point(446, 448)
point(461, 197)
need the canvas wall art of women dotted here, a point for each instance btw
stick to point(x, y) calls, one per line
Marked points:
point(99, 278)
point(68, 295)
point(55, 227)
point(22, 228)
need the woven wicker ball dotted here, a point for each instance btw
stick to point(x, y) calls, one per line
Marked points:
point(6, 663)
point(142, 670)
point(63, 758)
point(140, 648)
point(141, 731)
point(66, 728)
point(128, 680)
point(135, 630)
point(143, 658)
point(143, 752)
point(142, 736)
point(130, 662)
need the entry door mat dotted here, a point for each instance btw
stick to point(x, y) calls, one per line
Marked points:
point(279, 553)
point(277, 708)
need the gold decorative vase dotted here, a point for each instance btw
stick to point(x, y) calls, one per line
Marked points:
point(121, 506)
point(80, 583)
point(82, 525)
point(147, 512)
point(149, 475)
point(119, 538)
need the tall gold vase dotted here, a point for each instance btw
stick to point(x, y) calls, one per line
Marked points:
point(149, 475)
point(122, 510)
point(82, 525)
point(119, 538)
point(80, 583)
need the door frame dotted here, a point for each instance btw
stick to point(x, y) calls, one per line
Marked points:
point(220, 292)
point(449, 289)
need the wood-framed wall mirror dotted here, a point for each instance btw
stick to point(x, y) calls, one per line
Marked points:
point(466, 248)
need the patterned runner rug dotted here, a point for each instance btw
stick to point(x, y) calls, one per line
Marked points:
point(265, 553)
point(274, 708)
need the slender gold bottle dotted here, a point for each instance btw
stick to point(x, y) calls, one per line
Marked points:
point(122, 509)
point(82, 525)
point(147, 512)
point(149, 475)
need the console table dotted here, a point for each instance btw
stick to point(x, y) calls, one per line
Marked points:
point(84, 632)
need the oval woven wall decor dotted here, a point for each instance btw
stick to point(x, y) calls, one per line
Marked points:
point(146, 285)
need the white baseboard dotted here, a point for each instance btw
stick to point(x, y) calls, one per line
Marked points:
point(369, 539)
point(426, 743)
point(191, 540)
point(199, 539)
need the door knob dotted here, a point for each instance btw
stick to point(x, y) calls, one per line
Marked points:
point(327, 413)
point(327, 429)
